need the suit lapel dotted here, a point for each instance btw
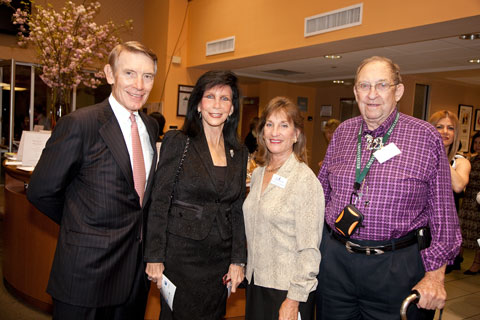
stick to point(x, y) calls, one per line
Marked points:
point(200, 145)
point(113, 137)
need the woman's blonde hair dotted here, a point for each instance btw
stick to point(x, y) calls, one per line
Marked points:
point(293, 114)
point(332, 125)
point(439, 115)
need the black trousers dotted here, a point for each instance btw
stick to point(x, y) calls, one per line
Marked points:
point(356, 286)
point(132, 309)
point(264, 303)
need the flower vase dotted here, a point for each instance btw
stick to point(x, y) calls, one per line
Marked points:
point(60, 104)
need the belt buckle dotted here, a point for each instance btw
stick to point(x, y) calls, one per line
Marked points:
point(373, 251)
point(367, 250)
point(349, 246)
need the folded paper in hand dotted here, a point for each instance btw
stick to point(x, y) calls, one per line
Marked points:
point(168, 291)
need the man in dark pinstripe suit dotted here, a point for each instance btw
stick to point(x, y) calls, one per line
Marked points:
point(84, 181)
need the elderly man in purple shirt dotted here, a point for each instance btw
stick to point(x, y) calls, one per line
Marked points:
point(391, 169)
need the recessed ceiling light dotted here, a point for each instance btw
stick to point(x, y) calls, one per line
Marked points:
point(338, 81)
point(333, 56)
point(470, 36)
point(474, 60)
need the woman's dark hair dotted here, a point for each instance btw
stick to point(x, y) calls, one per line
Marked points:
point(160, 120)
point(475, 136)
point(193, 124)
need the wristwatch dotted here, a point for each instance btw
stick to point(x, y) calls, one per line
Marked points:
point(239, 264)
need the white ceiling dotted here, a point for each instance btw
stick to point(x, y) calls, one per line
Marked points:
point(448, 54)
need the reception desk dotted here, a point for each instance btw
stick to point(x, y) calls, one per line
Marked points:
point(29, 243)
point(30, 239)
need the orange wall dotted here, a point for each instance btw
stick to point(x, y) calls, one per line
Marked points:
point(165, 36)
point(444, 95)
point(274, 25)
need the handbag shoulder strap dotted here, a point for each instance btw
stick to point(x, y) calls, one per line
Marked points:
point(180, 167)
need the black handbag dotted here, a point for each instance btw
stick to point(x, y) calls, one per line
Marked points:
point(185, 150)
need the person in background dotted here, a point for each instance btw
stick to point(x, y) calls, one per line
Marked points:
point(447, 125)
point(469, 213)
point(392, 170)
point(94, 179)
point(161, 124)
point(41, 119)
point(330, 128)
point(251, 138)
point(196, 233)
point(283, 219)
point(328, 131)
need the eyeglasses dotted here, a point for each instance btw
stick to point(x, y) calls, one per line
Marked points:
point(379, 86)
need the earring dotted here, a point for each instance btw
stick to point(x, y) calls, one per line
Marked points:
point(199, 114)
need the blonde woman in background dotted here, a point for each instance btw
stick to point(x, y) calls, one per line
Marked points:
point(328, 132)
point(447, 125)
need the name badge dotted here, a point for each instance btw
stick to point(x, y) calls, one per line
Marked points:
point(279, 181)
point(387, 152)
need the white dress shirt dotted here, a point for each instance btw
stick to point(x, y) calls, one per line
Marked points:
point(123, 118)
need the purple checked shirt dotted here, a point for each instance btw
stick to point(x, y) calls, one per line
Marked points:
point(408, 191)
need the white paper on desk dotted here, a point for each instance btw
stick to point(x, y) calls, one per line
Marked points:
point(11, 155)
point(21, 146)
point(29, 169)
point(168, 291)
point(33, 145)
point(13, 163)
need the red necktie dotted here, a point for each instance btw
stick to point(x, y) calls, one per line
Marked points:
point(139, 174)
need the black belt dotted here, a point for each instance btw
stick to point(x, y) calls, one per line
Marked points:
point(373, 249)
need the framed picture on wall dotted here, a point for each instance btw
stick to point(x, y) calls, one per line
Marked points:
point(465, 123)
point(476, 125)
point(184, 93)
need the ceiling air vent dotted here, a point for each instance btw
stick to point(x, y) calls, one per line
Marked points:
point(221, 46)
point(334, 20)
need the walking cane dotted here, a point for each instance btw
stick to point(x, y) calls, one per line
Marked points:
point(414, 297)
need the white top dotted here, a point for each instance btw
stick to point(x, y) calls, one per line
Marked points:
point(455, 157)
point(284, 229)
point(123, 118)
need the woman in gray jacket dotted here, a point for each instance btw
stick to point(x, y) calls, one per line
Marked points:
point(283, 219)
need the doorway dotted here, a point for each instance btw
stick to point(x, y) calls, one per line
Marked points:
point(249, 111)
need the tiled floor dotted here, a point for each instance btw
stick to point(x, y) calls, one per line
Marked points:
point(463, 293)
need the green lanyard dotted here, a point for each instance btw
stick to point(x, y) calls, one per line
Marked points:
point(361, 174)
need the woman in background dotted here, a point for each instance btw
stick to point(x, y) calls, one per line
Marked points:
point(283, 219)
point(197, 237)
point(447, 125)
point(251, 138)
point(328, 132)
point(470, 209)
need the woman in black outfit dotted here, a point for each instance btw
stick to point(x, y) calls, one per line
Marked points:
point(201, 237)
